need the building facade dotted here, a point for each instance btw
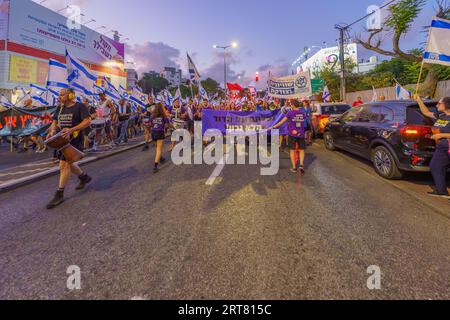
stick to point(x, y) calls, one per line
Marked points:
point(31, 34)
point(132, 78)
point(173, 75)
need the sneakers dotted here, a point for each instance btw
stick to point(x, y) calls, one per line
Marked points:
point(57, 200)
point(84, 180)
point(435, 194)
point(302, 169)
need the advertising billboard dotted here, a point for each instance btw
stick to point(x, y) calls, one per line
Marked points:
point(25, 70)
point(330, 56)
point(4, 14)
point(36, 26)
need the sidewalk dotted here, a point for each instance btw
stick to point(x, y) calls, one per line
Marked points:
point(41, 166)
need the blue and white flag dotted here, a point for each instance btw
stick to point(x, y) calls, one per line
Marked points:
point(139, 97)
point(401, 93)
point(109, 87)
point(193, 72)
point(178, 96)
point(80, 78)
point(4, 101)
point(124, 93)
point(375, 95)
point(57, 76)
point(202, 92)
point(438, 46)
point(326, 94)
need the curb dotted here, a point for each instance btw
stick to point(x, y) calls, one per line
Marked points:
point(419, 198)
point(51, 172)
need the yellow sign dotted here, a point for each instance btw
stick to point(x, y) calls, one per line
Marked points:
point(25, 70)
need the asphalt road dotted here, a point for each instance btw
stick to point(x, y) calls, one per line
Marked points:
point(171, 236)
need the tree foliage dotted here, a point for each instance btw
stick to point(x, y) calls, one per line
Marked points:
point(155, 83)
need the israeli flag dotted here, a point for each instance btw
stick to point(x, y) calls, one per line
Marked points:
point(124, 93)
point(109, 87)
point(401, 93)
point(178, 96)
point(326, 94)
point(193, 72)
point(4, 101)
point(438, 46)
point(57, 76)
point(139, 97)
point(375, 95)
point(202, 92)
point(80, 78)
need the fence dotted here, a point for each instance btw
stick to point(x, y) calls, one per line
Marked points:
point(442, 90)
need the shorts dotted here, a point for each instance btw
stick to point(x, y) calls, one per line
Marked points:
point(296, 143)
point(158, 135)
point(76, 143)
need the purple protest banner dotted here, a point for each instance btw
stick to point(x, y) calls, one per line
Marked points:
point(238, 122)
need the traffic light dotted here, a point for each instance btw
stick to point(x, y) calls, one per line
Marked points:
point(257, 77)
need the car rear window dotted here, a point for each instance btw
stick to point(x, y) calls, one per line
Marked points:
point(414, 116)
point(336, 109)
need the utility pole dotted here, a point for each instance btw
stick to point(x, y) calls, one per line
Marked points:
point(342, 30)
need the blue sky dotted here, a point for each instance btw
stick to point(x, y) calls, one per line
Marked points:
point(271, 34)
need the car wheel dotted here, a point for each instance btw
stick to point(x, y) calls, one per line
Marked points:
point(329, 141)
point(385, 164)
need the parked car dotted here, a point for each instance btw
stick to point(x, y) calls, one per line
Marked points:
point(323, 113)
point(394, 135)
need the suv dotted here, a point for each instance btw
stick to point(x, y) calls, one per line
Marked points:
point(394, 135)
point(325, 112)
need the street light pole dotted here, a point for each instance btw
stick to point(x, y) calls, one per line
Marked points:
point(233, 45)
point(225, 69)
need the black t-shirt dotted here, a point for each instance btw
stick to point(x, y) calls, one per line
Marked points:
point(442, 125)
point(72, 117)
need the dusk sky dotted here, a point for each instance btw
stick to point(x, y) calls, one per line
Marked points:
point(271, 34)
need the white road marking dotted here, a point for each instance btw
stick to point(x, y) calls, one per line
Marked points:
point(218, 170)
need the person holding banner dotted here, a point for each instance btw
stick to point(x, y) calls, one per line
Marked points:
point(296, 120)
point(441, 134)
point(71, 119)
point(158, 121)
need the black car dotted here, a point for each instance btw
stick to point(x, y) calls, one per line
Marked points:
point(394, 135)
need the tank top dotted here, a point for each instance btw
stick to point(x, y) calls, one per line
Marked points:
point(103, 111)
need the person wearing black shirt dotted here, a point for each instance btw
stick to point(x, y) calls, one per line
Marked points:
point(441, 134)
point(70, 119)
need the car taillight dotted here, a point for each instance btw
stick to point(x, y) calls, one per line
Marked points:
point(323, 120)
point(415, 131)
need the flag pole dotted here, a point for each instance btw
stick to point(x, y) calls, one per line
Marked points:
point(192, 90)
point(11, 137)
point(420, 77)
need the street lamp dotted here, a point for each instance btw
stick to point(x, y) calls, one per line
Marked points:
point(67, 7)
point(92, 20)
point(232, 45)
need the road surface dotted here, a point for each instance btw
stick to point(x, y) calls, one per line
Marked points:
point(172, 236)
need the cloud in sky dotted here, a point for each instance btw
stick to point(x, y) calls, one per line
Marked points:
point(153, 56)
